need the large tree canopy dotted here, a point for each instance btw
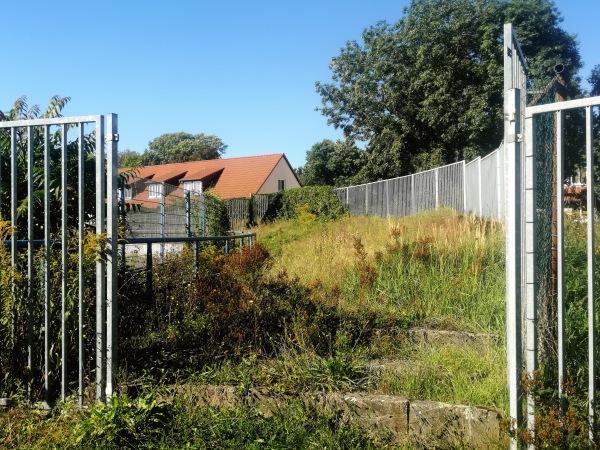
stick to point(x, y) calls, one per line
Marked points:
point(427, 90)
point(331, 163)
point(182, 147)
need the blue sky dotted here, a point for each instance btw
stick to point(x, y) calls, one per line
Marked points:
point(242, 70)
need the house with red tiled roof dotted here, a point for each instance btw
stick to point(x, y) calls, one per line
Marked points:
point(227, 178)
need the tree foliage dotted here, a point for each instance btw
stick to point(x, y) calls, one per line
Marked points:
point(331, 163)
point(129, 158)
point(594, 80)
point(22, 111)
point(182, 147)
point(427, 90)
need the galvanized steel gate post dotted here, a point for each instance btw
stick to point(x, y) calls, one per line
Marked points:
point(514, 91)
point(522, 242)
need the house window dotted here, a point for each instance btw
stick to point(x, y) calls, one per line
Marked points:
point(195, 187)
point(127, 193)
point(281, 185)
point(155, 190)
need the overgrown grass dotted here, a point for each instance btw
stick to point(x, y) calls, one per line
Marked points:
point(320, 306)
point(149, 423)
point(459, 374)
point(441, 267)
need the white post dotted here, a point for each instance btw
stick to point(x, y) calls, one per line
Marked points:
point(112, 138)
point(464, 199)
point(100, 264)
point(591, 267)
point(479, 186)
point(560, 250)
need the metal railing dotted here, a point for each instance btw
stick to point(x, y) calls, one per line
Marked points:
point(159, 209)
point(50, 156)
point(242, 240)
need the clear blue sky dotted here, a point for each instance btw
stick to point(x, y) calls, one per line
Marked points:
point(242, 70)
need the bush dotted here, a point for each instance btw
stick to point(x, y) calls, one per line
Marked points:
point(234, 308)
point(124, 423)
point(318, 200)
point(217, 217)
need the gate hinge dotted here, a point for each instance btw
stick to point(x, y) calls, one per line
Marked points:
point(111, 138)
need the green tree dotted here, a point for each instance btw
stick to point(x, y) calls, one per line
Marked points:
point(330, 163)
point(181, 147)
point(428, 89)
point(22, 111)
point(594, 80)
point(129, 158)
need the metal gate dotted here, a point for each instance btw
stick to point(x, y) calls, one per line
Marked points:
point(63, 185)
point(529, 234)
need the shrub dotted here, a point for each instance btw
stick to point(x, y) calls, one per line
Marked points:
point(292, 203)
point(123, 423)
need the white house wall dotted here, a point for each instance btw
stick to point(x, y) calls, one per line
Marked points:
point(282, 171)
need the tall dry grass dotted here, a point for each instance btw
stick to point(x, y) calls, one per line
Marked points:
point(440, 266)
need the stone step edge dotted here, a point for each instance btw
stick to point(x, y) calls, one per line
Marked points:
point(403, 418)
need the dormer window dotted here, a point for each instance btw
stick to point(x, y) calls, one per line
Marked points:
point(155, 190)
point(126, 193)
point(194, 187)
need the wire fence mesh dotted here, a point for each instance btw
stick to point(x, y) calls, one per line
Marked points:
point(155, 209)
point(158, 209)
point(545, 192)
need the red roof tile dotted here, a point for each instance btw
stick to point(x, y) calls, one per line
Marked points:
point(239, 177)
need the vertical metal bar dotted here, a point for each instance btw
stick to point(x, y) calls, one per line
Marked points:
point(387, 198)
point(149, 280)
point(188, 214)
point(13, 248)
point(100, 263)
point(530, 262)
point(437, 187)
point(13, 194)
point(500, 184)
point(560, 248)
point(47, 262)
point(413, 209)
point(196, 251)
point(203, 217)
point(513, 257)
point(464, 199)
point(479, 187)
point(508, 58)
point(122, 212)
point(30, 251)
point(112, 138)
point(63, 297)
point(81, 231)
point(162, 222)
point(591, 284)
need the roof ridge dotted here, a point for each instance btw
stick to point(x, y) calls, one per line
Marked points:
point(215, 160)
